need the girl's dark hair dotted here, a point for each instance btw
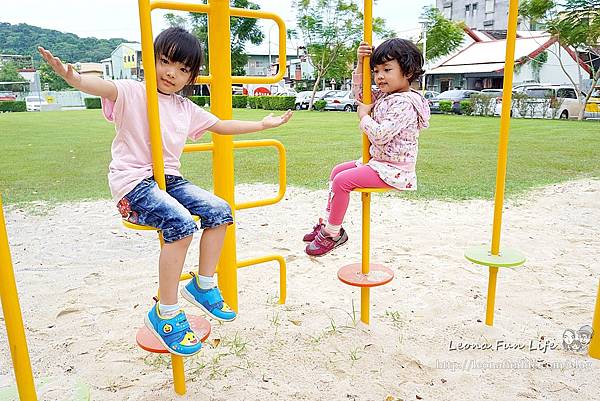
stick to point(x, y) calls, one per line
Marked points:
point(178, 45)
point(405, 52)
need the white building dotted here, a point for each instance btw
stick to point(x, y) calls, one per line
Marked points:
point(480, 65)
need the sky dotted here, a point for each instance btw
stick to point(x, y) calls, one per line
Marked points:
point(119, 18)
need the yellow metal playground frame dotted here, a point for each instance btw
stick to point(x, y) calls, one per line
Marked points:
point(222, 146)
point(219, 12)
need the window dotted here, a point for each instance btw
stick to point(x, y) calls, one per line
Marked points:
point(489, 6)
point(448, 12)
point(106, 70)
point(566, 93)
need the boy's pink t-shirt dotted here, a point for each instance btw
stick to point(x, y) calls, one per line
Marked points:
point(131, 161)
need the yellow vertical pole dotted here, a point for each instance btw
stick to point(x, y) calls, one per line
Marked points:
point(594, 350)
point(151, 92)
point(220, 103)
point(178, 374)
point(365, 197)
point(511, 38)
point(14, 319)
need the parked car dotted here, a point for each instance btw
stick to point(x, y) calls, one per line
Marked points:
point(455, 96)
point(35, 103)
point(340, 100)
point(430, 95)
point(7, 96)
point(547, 101)
point(302, 101)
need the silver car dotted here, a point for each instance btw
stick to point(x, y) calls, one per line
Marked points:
point(340, 100)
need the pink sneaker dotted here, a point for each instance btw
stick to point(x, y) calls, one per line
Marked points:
point(323, 244)
point(311, 235)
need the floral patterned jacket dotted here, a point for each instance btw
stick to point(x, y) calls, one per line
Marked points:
point(394, 133)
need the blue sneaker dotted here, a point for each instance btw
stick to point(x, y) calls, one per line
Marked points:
point(174, 333)
point(210, 301)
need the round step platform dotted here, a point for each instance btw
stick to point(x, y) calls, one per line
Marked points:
point(378, 275)
point(507, 257)
point(148, 341)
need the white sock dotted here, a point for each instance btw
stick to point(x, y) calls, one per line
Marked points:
point(332, 230)
point(168, 310)
point(206, 282)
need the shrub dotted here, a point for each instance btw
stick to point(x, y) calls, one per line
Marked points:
point(239, 101)
point(466, 107)
point(15, 106)
point(12, 106)
point(319, 105)
point(92, 103)
point(252, 102)
point(483, 104)
point(445, 106)
point(200, 100)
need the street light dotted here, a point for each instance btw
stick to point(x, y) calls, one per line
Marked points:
point(424, 22)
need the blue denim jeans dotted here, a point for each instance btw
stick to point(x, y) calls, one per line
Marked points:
point(171, 211)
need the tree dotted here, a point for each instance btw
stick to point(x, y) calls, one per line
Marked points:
point(243, 30)
point(443, 36)
point(574, 23)
point(54, 81)
point(10, 73)
point(331, 30)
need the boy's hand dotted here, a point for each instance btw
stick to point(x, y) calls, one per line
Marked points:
point(66, 71)
point(271, 122)
point(364, 50)
point(364, 109)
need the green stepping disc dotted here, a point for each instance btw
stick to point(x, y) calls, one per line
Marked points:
point(507, 257)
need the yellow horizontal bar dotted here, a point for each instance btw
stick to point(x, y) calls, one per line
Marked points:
point(242, 12)
point(282, 171)
point(204, 79)
point(282, 271)
point(198, 147)
point(181, 6)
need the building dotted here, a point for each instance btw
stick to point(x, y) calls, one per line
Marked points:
point(488, 15)
point(90, 69)
point(480, 65)
point(21, 62)
point(125, 62)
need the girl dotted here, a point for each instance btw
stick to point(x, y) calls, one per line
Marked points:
point(178, 58)
point(398, 114)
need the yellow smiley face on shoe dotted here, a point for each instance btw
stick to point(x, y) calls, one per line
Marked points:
point(168, 328)
point(189, 339)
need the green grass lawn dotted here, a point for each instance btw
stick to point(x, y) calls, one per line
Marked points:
point(64, 156)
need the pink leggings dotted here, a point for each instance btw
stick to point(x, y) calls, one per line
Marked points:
point(343, 179)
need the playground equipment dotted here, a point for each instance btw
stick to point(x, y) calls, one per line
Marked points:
point(15, 330)
point(483, 255)
point(594, 350)
point(366, 275)
point(222, 146)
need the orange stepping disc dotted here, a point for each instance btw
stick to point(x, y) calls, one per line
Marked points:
point(378, 275)
point(148, 341)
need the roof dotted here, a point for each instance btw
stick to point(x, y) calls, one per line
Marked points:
point(489, 56)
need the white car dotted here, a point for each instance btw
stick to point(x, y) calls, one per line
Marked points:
point(35, 103)
point(340, 100)
point(545, 101)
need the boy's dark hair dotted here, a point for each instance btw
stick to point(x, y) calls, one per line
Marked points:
point(178, 45)
point(405, 52)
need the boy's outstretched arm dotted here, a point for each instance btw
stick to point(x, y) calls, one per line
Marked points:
point(92, 85)
point(233, 127)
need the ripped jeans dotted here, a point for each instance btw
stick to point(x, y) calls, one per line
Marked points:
point(171, 211)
